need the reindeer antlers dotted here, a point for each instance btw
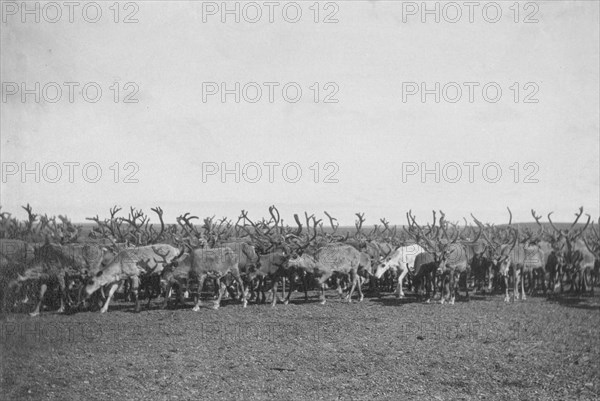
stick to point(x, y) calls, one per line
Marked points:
point(334, 227)
point(570, 233)
point(358, 224)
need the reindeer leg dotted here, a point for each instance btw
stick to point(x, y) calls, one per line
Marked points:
point(63, 293)
point(321, 282)
point(150, 293)
point(238, 279)
point(445, 288)
point(135, 284)
point(453, 287)
point(112, 288)
point(168, 294)
point(338, 283)
point(433, 284)
point(518, 280)
point(305, 284)
point(560, 279)
point(183, 294)
point(400, 280)
point(257, 286)
point(274, 283)
point(283, 296)
point(523, 296)
point(201, 280)
point(515, 284)
point(221, 289)
point(360, 291)
point(292, 287)
point(283, 290)
point(354, 279)
point(43, 288)
point(535, 274)
point(253, 289)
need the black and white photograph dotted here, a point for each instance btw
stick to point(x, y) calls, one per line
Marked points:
point(300, 200)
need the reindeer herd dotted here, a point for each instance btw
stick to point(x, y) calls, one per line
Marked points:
point(248, 260)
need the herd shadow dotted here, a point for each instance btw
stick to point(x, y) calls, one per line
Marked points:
point(590, 301)
point(584, 301)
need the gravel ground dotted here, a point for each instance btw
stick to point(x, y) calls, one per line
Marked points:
point(382, 348)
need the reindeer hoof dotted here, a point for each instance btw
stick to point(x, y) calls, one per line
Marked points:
point(322, 302)
point(34, 314)
point(244, 303)
point(452, 301)
point(215, 306)
point(61, 310)
point(284, 302)
point(428, 301)
point(361, 298)
point(196, 308)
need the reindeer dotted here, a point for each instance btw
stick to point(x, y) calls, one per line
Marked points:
point(593, 245)
point(579, 260)
point(330, 259)
point(554, 263)
point(450, 257)
point(129, 264)
point(273, 250)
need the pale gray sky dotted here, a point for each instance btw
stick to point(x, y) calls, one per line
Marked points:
point(368, 134)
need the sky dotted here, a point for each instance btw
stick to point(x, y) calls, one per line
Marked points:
point(359, 120)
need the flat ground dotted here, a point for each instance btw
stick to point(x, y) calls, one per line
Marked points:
point(382, 348)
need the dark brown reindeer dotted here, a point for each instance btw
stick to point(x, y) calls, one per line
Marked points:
point(449, 255)
point(578, 259)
